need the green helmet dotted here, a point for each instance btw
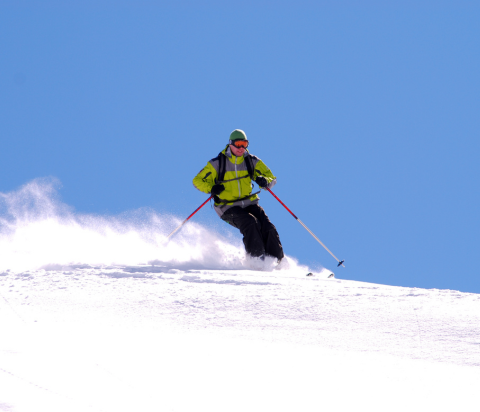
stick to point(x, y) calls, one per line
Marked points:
point(237, 134)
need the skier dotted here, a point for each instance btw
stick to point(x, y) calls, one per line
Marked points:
point(228, 177)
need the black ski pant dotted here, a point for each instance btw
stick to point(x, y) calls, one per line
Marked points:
point(259, 234)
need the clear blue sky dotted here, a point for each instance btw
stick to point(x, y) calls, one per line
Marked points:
point(368, 116)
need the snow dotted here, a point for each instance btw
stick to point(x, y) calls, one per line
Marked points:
point(102, 314)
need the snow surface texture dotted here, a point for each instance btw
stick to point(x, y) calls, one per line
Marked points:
point(101, 314)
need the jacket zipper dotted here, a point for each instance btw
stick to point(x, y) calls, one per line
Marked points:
point(238, 181)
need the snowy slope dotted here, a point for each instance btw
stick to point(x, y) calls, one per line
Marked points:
point(101, 314)
point(147, 338)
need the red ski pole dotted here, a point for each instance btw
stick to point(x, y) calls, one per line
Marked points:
point(185, 221)
point(340, 262)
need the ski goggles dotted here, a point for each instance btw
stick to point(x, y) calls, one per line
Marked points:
point(240, 143)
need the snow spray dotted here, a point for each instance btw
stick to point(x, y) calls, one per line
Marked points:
point(39, 231)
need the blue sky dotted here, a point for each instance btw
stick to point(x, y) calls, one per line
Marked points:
point(368, 116)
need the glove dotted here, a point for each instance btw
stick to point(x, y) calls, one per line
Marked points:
point(261, 181)
point(217, 189)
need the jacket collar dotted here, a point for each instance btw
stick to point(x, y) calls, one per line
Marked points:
point(227, 152)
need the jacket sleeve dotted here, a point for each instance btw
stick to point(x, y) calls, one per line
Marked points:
point(261, 169)
point(205, 179)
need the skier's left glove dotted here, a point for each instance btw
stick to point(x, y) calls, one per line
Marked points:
point(261, 181)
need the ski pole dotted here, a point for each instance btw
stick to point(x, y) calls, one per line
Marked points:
point(185, 221)
point(340, 262)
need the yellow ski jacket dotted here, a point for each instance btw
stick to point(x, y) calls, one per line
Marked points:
point(237, 181)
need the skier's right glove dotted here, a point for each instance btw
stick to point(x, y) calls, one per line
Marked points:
point(261, 181)
point(217, 189)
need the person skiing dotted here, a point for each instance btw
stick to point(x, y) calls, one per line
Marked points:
point(228, 177)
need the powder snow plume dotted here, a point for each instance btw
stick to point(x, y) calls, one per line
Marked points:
point(38, 231)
